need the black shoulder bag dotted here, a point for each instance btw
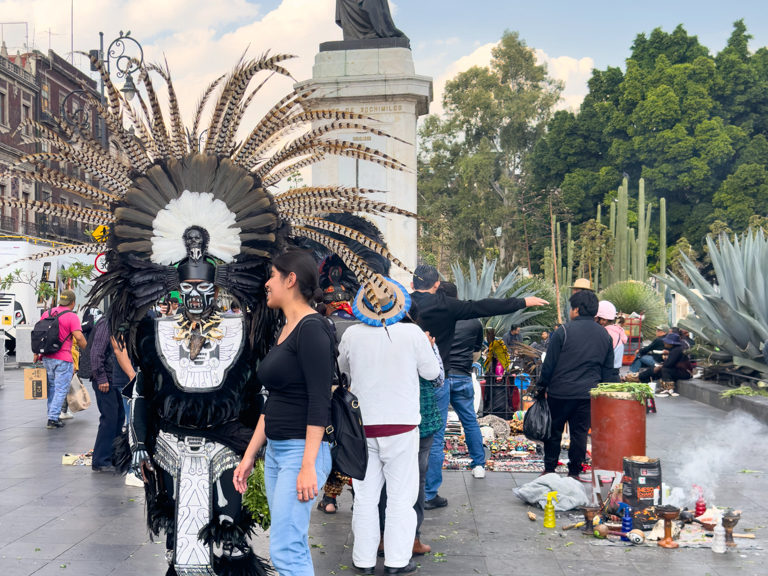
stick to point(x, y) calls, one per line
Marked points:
point(346, 435)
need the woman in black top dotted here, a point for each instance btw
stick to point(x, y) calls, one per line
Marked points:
point(297, 373)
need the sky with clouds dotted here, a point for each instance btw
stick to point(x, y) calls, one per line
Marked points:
point(202, 38)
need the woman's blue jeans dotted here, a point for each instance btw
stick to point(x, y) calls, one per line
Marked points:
point(289, 533)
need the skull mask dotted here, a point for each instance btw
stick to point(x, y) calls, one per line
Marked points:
point(198, 297)
point(196, 274)
point(196, 241)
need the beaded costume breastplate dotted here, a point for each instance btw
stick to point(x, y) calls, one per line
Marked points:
point(206, 369)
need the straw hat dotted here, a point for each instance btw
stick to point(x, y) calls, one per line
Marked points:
point(391, 302)
point(582, 284)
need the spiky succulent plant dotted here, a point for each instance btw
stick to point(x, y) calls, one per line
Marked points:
point(513, 285)
point(731, 316)
point(631, 296)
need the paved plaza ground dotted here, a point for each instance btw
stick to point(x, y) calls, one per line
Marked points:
point(67, 520)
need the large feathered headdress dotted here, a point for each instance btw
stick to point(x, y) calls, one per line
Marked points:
point(157, 183)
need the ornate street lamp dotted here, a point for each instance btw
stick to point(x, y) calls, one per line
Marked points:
point(79, 117)
point(120, 51)
point(127, 55)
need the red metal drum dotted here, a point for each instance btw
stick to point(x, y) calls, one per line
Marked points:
point(618, 430)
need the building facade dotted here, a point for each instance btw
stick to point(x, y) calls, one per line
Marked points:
point(42, 87)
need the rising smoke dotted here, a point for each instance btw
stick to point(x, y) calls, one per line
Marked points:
point(715, 457)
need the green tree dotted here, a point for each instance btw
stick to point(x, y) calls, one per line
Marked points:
point(594, 245)
point(743, 194)
point(693, 124)
point(475, 198)
point(73, 276)
point(675, 258)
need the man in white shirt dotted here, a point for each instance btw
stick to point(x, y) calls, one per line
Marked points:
point(384, 359)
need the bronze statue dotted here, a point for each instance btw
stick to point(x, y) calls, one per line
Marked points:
point(366, 19)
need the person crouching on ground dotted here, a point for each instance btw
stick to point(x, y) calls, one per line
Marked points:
point(676, 366)
point(579, 357)
point(384, 359)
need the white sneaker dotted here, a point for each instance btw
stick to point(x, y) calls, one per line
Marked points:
point(132, 480)
point(478, 472)
point(66, 415)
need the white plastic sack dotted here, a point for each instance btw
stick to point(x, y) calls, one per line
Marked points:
point(570, 492)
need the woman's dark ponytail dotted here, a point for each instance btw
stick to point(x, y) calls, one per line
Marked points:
point(303, 265)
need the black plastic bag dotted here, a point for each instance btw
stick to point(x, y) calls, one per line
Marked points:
point(538, 421)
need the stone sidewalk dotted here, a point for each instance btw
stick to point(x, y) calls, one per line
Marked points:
point(67, 520)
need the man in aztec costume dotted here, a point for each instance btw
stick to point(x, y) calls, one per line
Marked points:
point(203, 223)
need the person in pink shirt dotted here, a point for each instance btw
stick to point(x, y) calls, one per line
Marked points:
point(60, 366)
point(606, 316)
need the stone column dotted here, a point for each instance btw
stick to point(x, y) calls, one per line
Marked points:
point(377, 79)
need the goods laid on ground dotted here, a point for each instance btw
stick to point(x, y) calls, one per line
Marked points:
point(507, 449)
point(77, 459)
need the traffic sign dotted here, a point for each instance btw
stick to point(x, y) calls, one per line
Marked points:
point(101, 263)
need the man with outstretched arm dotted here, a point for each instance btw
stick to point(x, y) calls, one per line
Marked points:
point(438, 314)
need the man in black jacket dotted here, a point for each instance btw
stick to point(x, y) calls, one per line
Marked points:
point(579, 357)
point(438, 314)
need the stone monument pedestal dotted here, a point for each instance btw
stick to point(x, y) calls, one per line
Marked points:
point(378, 82)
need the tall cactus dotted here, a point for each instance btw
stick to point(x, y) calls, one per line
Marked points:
point(663, 236)
point(569, 257)
point(621, 267)
point(640, 258)
point(630, 246)
point(599, 266)
point(559, 255)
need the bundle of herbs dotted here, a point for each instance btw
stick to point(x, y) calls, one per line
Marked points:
point(255, 497)
point(640, 391)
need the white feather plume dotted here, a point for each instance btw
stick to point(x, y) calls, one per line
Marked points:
point(194, 209)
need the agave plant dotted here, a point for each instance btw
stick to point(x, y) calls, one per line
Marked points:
point(513, 285)
point(733, 315)
point(632, 296)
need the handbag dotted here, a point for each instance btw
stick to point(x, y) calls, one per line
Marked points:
point(78, 397)
point(538, 421)
point(346, 434)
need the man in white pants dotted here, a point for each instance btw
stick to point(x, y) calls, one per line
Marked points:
point(384, 365)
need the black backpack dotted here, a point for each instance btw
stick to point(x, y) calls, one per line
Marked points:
point(346, 434)
point(45, 333)
point(349, 448)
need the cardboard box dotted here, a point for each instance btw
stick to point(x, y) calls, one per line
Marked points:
point(35, 384)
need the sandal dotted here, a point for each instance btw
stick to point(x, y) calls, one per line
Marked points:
point(325, 502)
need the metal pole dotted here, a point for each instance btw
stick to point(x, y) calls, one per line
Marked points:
point(2, 359)
point(103, 124)
point(101, 59)
point(72, 31)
